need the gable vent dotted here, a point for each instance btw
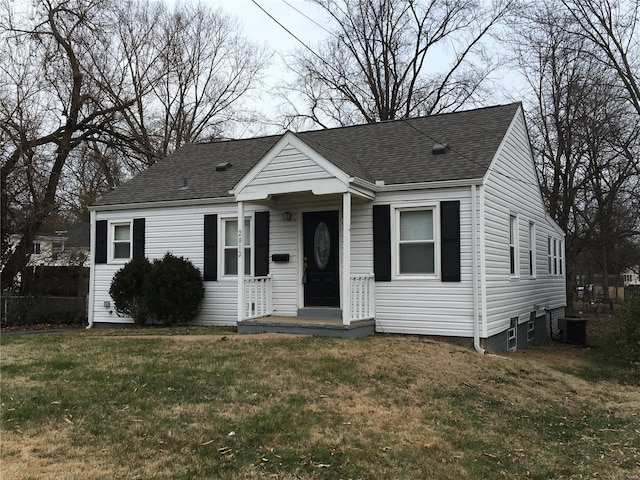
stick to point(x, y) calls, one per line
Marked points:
point(221, 167)
point(440, 148)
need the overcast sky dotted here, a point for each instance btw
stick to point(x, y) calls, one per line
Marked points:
point(293, 15)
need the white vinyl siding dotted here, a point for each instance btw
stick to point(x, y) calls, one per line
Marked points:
point(425, 305)
point(179, 230)
point(513, 171)
point(290, 166)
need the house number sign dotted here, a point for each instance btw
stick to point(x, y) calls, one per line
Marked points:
point(321, 245)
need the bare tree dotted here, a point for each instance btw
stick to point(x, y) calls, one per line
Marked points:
point(205, 68)
point(613, 34)
point(95, 91)
point(389, 59)
point(55, 88)
point(585, 137)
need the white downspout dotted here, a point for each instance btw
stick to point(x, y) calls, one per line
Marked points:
point(92, 269)
point(474, 262)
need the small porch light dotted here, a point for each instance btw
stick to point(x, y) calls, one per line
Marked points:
point(286, 216)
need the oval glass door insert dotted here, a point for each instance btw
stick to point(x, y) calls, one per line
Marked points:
point(321, 245)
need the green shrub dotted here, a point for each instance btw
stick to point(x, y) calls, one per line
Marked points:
point(127, 290)
point(624, 333)
point(173, 290)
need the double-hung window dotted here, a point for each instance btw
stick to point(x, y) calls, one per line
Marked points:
point(416, 242)
point(560, 256)
point(513, 246)
point(230, 255)
point(555, 253)
point(121, 241)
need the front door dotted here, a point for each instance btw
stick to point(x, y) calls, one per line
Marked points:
point(321, 259)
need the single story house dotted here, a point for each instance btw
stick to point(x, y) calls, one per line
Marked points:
point(429, 226)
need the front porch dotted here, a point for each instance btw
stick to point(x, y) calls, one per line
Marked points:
point(257, 315)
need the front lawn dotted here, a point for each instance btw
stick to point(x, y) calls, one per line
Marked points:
point(89, 405)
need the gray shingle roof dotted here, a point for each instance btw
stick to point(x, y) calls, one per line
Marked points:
point(397, 152)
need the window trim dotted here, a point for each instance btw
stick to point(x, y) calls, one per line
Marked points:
point(395, 241)
point(112, 241)
point(514, 246)
point(223, 246)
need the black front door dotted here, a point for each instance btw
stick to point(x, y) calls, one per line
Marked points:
point(321, 259)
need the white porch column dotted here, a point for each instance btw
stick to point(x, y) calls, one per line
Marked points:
point(240, 261)
point(346, 259)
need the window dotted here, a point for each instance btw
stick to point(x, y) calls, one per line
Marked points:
point(37, 248)
point(512, 334)
point(121, 241)
point(513, 246)
point(416, 244)
point(531, 331)
point(230, 253)
point(560, 256)
point(532, 250)
point(555, 254)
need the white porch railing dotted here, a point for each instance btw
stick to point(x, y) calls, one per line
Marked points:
point(258, 297)
point(362, 297)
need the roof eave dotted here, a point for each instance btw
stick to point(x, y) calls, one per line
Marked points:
point(463, 182)
point(161, 204)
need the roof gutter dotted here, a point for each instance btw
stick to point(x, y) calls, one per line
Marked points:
point(397, 187)
point(474, 262)
point(161, 204)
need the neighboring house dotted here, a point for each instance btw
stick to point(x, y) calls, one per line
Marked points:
point(631, 277)
point(429, 226)
point(61, 248)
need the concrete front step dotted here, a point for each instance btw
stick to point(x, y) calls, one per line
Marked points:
point(308, 326)
point(320, 312)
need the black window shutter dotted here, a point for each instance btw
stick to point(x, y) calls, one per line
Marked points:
point(450, 237)
point(210, 247)
point(138, 238)
point(382, 242)
point(101, 241)
point(261, 244)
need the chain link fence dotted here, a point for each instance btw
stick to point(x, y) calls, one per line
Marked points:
point(24, 311)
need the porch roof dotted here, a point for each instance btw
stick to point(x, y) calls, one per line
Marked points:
point(395, 152)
